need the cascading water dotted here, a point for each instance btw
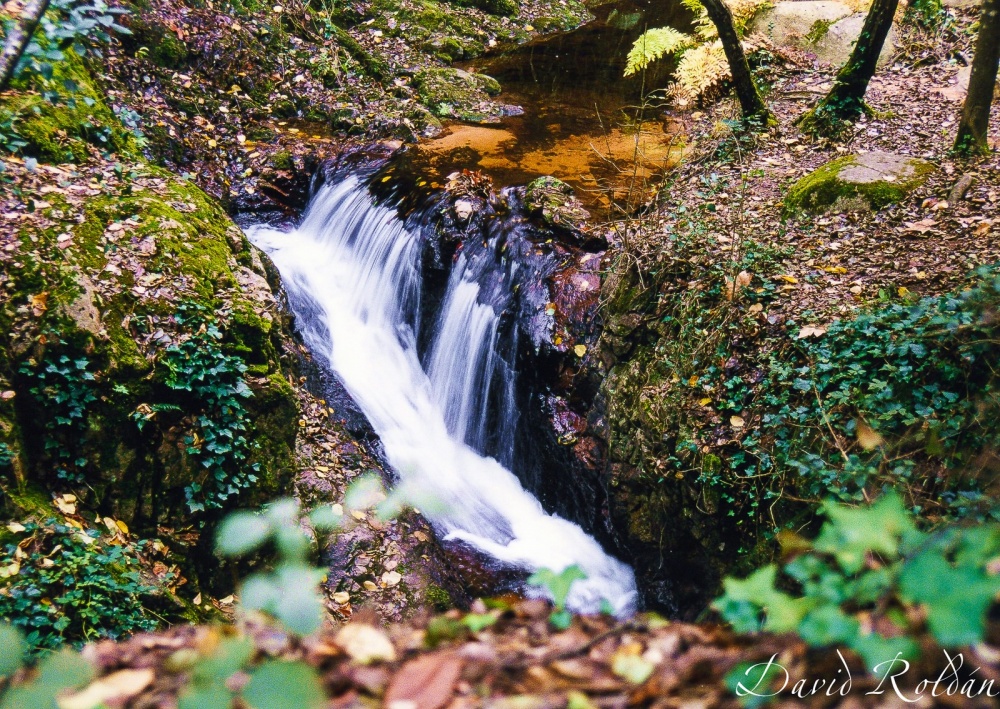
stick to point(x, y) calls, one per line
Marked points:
point(352, 273)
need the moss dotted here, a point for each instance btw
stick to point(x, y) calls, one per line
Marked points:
point(818, 31)
point(553, 200)
point(65, 131)
point(438, 598)
point(282, 160)
point(163, 47)
point(455, 93)
point(868, 181)
point(503, 8)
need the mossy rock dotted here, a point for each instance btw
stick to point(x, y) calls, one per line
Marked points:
point(554, 202)
point(453, 93)
point(190, 253)
point(163, 46)
point(65, 130)
point(502, 8)
point(858, 183)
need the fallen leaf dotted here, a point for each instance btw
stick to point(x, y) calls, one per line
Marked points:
point(868, 437)
point(116, 688)
point(365, 643)
point(426, 682)
point(580, 350)
point(810, 331)
point(341, 597)
point(391, 578)
point(736, 421)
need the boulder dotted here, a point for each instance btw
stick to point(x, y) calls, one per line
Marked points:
point(454, 93)
point(827, 28)
point(553, 200)
point(858, 182)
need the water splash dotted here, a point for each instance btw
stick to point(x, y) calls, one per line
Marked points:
point(352, 273)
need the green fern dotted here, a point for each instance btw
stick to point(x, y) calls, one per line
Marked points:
point(653, 44)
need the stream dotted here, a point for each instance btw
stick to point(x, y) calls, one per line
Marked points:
point(445, 412)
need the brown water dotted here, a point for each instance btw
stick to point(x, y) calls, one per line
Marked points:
point(582, 121)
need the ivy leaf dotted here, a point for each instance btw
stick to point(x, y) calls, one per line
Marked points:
point(828, 625)
point(280, 684)
point(557, 584)
point(852, 532)
point(242, 532)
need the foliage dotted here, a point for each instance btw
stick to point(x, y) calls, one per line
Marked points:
point(702, 65)
point(865, 579)
point(61, 584)
point(63, 388)
point(929, 14)
point(558, 586)
point(288, 591)
point(215, 379)
point(908, 382)
point(79, 24)
point(653, 44)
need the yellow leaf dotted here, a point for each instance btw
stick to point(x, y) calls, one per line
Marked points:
point(114, 689)
point(693, 381)
point(341, 597)
point(868, 437)
point(365, 643)
point(903, 291)
point(737, 421)
point(788, 279)
point(580, 350)
point(122, 526)
point(706, 401)
point(15, 527)
point(212, 142)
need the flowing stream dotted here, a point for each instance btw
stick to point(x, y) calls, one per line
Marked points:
point(352, 272)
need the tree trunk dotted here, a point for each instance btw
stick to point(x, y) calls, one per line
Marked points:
point(18, 39)
point(974, 126)
point(751, 103)
point(847, 97)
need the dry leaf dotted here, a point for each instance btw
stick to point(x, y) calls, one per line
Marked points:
point(391, 578)
point(365, 643)
point(810, 331)
point(736, 421)
point(116, 688)
point(580, 350)
point(427, 682)
point(868, 437)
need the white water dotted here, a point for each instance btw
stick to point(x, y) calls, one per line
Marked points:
point(352, 273)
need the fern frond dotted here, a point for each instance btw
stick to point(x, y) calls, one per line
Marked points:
point(653, 44)
point(700, 70)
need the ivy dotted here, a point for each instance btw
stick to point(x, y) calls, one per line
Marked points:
point(870, 567)
point(64, 388)
point(59, 585)
point(218, 442)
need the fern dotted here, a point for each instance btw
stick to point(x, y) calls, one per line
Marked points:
point(700, 70)
point(652, 45)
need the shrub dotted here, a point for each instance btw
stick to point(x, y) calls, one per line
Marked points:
point(60, 584)
point(873, 582)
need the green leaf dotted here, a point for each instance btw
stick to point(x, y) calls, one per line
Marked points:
point(59, 672)
point(828, 625)
point(875, 648)
point(561, 619)
point(476, 622)
point(557, 584)
point(12, 647)
point(279, 685)
point(205, 698)
point(242, 532)
point(852, 532)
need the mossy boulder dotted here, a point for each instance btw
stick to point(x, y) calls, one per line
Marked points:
point(162, 45)
point(102, 280)
point(454, 93)
point(67, 128)
point(858, 182)
point(503, 8)
point(553, 201)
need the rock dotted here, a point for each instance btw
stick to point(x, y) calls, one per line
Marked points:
point(827, 28)
point(454, 93)
point(463, 210)
point(962, 4)
point(858, 182)
point(553, 200)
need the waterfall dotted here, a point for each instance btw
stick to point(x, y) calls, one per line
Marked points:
point(352, 273)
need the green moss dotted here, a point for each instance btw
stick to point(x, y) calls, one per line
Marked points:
point(818, 31)
point(454, 93)
point(282, 160)
point(438, 598)
point(66, 130)
point(868, 181)
point(503, 8)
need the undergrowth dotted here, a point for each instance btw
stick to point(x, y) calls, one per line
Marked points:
point(60, 584)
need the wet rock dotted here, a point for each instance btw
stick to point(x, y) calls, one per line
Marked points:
point(858, 183)
point(827, 28)
point(454, 93)
point(553, 201)
point(463, 210)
